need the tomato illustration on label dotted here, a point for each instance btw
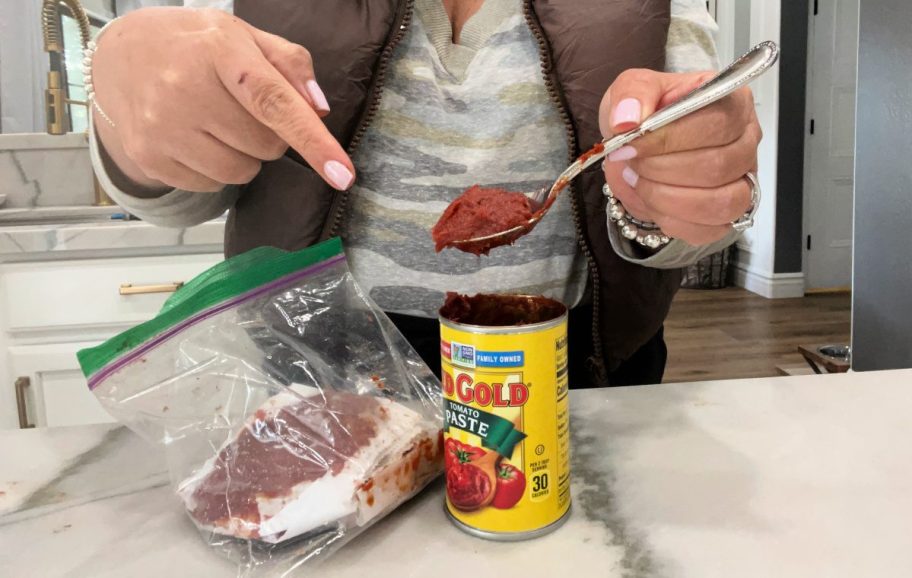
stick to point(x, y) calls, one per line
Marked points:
point(457, 452)
point(511, 483)
point(468, 486)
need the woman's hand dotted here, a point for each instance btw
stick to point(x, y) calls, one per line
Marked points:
point(687, 177)
point(200, 99)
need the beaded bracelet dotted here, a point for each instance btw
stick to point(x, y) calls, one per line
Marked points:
point(88, 57)
point(651, 235)
point(645, 233)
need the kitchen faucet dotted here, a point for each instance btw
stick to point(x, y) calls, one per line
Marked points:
point(56, 99)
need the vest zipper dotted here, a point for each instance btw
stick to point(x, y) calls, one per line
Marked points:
point(597, 361)
point(373, 105)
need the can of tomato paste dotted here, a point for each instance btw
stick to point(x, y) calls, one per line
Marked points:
point(506, 436)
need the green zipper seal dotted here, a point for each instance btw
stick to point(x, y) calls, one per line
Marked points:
point(229, 279)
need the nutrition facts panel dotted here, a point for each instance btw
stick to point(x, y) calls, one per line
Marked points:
point(563, 424)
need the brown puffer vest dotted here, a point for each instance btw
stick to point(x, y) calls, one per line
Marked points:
point(584, 45)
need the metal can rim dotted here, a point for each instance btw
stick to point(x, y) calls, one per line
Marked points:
point(503, 329)
point(506, 329)
point(508, 536)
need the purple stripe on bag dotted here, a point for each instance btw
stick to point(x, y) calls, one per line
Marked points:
point(105, 372)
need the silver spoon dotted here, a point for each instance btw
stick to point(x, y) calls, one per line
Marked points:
point(741, 72)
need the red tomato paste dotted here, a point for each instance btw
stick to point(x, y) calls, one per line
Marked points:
point(500, 310)
point(480, 212)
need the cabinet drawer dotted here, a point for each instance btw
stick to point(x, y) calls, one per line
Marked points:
point(56, 393)
point(66, 294)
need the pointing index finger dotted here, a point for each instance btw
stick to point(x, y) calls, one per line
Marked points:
point(269, 97)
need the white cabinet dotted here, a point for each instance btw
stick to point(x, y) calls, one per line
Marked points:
point(53, 389)
point(51, 310)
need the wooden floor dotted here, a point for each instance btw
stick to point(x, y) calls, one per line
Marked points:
point(732, 333)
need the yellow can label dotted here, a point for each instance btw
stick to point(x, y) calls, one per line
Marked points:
point(507, 437)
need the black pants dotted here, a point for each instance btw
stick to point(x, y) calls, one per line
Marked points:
point(646, 366)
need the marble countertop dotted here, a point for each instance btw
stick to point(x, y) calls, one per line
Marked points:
point(43, 141)
point(42, 174)
point(40, 170)
point(786, 477)
point(100, 239)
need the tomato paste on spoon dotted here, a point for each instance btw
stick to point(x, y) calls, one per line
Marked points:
point(480, 212)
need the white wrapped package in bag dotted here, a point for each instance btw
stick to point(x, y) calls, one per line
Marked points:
point(307, 459)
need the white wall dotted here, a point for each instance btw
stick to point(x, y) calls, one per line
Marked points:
point(21, 80)
point(734, 18)
point(102, 8)
point(742, 25)
point(124, 6)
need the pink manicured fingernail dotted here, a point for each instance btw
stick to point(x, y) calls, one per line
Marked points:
point(627, 111)
point(630, 177)
point(338, 174)
point(623, 154)
point(316, 95)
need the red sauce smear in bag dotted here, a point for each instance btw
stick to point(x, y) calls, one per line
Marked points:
point(299, 443)
point(480, 212)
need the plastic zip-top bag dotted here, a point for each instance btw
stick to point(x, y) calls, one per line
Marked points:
point(292, 411)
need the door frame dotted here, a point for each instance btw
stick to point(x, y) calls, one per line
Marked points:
point(806, 189)
point(808, 115)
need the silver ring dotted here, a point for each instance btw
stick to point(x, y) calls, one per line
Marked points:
point(747, 220)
